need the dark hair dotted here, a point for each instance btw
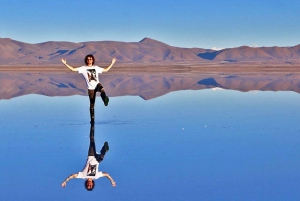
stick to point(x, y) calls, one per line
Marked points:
point(87, 56)
point(85, 185)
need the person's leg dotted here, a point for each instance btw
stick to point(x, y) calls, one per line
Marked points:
point(100, 88)
point(92, 97)
point(103, 151)
point(92, 147)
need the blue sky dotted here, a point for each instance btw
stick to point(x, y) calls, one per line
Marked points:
point(195, 23)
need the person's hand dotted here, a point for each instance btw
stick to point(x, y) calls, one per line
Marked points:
point(114, 60)
point(113, 183)
point(64, 61)
point(64, 184)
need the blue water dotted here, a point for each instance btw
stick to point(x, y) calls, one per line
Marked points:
point(186, 145)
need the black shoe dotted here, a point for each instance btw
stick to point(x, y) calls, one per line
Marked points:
point(105, 146)
point(106, 100)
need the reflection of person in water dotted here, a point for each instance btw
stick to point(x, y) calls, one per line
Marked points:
point(90, 73)
point(90, 170)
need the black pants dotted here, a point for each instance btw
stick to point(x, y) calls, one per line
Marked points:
point(92, 94)
point(92, 147)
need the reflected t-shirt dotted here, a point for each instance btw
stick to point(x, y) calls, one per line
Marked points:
point(90, 169)
point(90, 74)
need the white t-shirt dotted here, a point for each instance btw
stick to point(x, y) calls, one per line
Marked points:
point(90, 169)
point(90, 74)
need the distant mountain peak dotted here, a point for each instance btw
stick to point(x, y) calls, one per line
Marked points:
point(146, 39)
point(150, 40)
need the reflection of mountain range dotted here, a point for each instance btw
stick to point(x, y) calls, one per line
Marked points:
point(147, 86)
point(147, 50)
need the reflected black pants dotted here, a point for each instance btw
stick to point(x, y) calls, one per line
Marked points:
point(92, 147)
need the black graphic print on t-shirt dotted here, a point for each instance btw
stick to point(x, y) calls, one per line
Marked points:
point(92, 75)
point(91, 170)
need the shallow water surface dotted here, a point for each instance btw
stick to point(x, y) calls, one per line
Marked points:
point(186, 145)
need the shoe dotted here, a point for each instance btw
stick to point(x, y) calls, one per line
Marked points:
point(105, 146)
point(106, 100)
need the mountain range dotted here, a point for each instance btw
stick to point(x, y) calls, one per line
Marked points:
point(147, 50)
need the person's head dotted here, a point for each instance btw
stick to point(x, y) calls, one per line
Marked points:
point(89, 59)
point(89, 184)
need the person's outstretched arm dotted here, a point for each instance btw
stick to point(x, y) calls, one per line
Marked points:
point(111, 64)
point(113, 183)
point(64, 61)
point(67, 179)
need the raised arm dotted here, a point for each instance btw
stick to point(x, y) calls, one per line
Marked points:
point(113, 183)
point(64, 61)
point(67, 179)
point(111, 64)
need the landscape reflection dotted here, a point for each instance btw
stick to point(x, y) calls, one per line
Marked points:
point(189, 144)
point(145, 85)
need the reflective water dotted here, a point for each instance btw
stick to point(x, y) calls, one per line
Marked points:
point(145, 85)
point(186, 145)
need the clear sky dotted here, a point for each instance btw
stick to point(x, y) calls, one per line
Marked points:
point(194, 23)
